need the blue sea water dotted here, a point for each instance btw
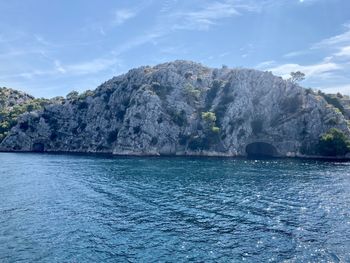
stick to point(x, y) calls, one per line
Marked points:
point(79, 208)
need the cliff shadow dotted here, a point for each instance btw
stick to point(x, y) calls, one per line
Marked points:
point(38, 147)
point(261, 150)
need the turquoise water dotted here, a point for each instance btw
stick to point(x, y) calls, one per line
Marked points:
point(71, 208)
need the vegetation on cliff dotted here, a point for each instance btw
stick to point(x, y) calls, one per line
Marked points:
point(13, 103)
point(182, 108)
point(334, 143)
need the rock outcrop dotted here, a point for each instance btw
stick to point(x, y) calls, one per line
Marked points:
point(182, 108)
point(13, 103)
point(10, 98)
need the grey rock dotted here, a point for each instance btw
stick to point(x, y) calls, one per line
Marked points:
point(158, 111)
point(10, 97)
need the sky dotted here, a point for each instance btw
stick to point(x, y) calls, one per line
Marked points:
point(51, 47)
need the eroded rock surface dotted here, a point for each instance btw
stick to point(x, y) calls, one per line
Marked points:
point(166, 109)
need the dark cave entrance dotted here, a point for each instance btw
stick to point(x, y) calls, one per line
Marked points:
point(260, 149)
point(38, 147)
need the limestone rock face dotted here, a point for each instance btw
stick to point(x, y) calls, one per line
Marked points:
point(11, 97)
point(182, 108)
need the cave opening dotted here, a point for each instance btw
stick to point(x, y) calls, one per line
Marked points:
point(38, 147)
point(260, 149)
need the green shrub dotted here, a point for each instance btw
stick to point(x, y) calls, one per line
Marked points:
point(192, 91)
point(209, 116)
point(73, 95)
point(85, 94)
point(334, 143)
point(215, 129)
point(9, 115)
point(211, 130)
point(210, 134)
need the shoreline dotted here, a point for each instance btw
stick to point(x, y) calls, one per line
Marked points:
point(199, 156)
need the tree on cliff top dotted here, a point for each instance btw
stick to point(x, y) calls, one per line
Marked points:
point(297, 76)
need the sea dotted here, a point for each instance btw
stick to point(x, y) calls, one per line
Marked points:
point(99, 208)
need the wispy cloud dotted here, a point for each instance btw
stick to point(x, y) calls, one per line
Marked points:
point(265, 64)
point(206, 17)
point(115, 18)
point(340, 42)
point(122, 15)
point(328, 73)
point(295, 54)
point(82, 68)
point(90, 67)
point(343, 52)
point(41, 40)
point(345, 89)
point(336, 40)
point(312, 70)
point(210, 14)
point(167, 5)
point(19, 52)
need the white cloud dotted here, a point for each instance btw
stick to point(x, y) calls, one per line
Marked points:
point(211, 14)
point(122, 15)
point(344, 89)
point(329, 74)
point(90, 67)
point(20, 52)
point(265, 64)
point(42, 41)
point(340, 42)
point(343, 52)
point(295, 54)
point(309, 70)
point(83, 68)
point(326, 76)
point(59, 67)
point(336, 40)
point(28, 74)
point(225, 54)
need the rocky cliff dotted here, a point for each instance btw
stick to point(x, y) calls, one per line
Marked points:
point(10, 98)
point(13, 103)
point(182, 108)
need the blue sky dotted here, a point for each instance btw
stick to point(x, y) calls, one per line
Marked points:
point(48, 48)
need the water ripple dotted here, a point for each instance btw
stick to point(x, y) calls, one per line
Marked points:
point(60, 208)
